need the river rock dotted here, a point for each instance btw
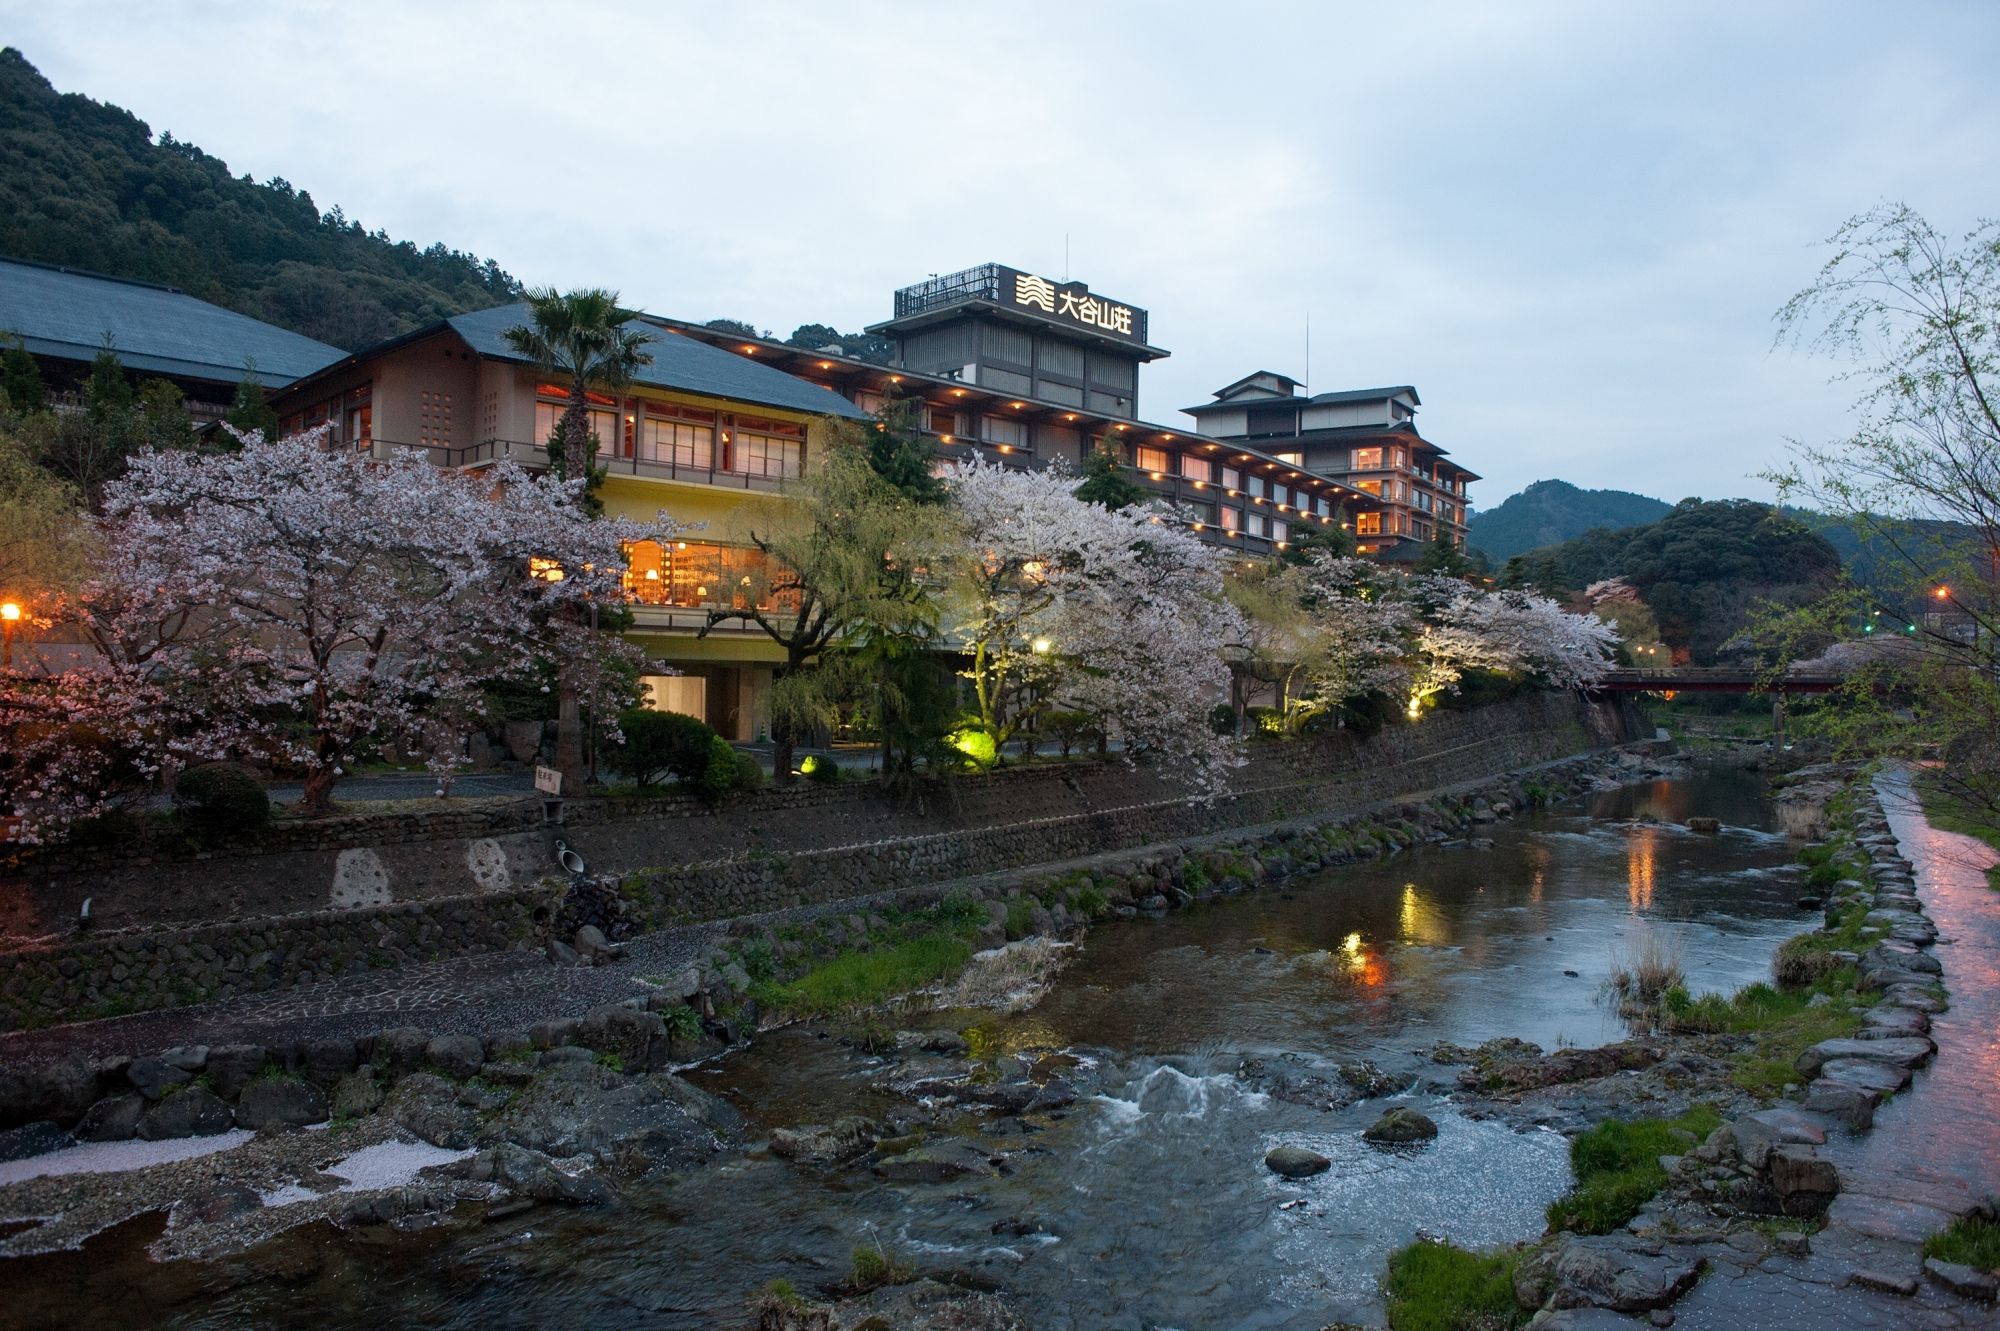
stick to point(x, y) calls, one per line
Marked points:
point(325, 1061)
point(1616, 1271)
point(155, 1077)
point(400, 1049)
point(429, 1107)
point(112, 1119)
point(936, 1162)
point(357, 1094)
point(1965, 1281)
point(526, 1173)
point(1906, 1052)
point(231, 1066)
point(632, 1124)
point(1708, 825)
point(455, 1055)
point(1295, 1162)
point(192, 1111)
point(1805, 1183)
point(31, 1139)
point(280, 1102)
point(637, 1038)
point(842, 1140)
point(60, 1091)
point(1400, 1126)
point(1883, 1078)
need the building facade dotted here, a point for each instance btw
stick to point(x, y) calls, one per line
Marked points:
point(1367, 439)
point(994, 363)
point(692, 436)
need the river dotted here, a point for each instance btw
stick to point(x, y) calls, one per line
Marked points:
point(1146, 1203)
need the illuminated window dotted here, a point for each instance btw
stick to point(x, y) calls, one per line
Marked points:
point(679, 437)
point(940, 421)
point(1152, 459)
point(1368, 524)
point(1367, 459)
point(1291, 459)
point(1369, 487)
point(1232, 519)
point(1232, 479)
point(1197, 468)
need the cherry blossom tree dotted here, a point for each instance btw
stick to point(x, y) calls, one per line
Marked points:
point(322, 599)
point(1461, 628)
point(1060, 602)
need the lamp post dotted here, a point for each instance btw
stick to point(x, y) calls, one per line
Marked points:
point(10, 615)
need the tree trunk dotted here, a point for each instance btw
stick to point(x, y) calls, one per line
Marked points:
point(318, 793)
point(784, 742)
point(576, 436)
point(569, 736)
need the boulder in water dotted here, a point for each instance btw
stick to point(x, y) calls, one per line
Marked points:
point(1399, 1127)
point(1295, 1162)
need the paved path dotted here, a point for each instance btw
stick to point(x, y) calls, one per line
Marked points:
point(1934, 1150)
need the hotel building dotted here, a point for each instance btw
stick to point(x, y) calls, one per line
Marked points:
point(1367, 440)
point(997, 363)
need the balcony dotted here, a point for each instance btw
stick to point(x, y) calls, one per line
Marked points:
point(535, 457)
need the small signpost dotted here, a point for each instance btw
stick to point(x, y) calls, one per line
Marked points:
point(548, 780)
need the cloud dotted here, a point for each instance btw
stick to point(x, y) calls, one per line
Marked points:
point(1568, 225)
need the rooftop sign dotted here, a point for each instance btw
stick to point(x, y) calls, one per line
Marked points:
point(1061, 302)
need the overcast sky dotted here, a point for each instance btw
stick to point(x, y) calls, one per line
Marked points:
point(1567, 224)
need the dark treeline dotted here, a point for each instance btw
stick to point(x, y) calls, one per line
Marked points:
point(83, 184)
point(1704, 568)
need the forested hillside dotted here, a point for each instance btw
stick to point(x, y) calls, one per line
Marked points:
point(1703, 569)
point(1549, 512)
point(83, 184)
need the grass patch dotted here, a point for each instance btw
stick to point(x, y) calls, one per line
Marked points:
point(1968, 1242)
point(1437, 1287)
point(874, 1268)
point(863, 979)
point(1618, 1168)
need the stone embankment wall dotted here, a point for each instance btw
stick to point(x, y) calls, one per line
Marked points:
point(269, 925)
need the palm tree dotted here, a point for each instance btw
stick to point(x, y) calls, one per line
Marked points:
point(581, 335)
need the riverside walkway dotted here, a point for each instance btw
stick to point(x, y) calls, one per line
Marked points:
point(1933, 1154)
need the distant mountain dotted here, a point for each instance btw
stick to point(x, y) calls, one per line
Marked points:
point(85, 185)
point(1551, 512)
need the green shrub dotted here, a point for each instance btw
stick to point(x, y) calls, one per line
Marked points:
point(820, 771)
point(860, 979)
point(1434, 1286)
point(662, 744)
point(682, 1022)
point(718, 778)
point(221, 799)
point(749, 772)
point(1222, 718)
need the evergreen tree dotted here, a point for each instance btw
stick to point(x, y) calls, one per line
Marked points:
point(163, 420)
point(1333, 540)
point(1106, 484)
point(903, 455)
point(1444, 556)
point(107, 396)
point(251, 410)
point(21, 380)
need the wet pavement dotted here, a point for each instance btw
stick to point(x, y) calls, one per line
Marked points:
point(1933, 1152)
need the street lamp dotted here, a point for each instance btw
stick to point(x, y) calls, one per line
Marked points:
point(10, 615)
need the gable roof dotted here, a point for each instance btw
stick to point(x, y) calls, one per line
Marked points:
point(66, 313)
point(679, 363)
point(1281, 384)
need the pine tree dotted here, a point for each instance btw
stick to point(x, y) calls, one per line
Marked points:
point(1105, 483)
point(21, 380)
point(107, 396)
point(251, 410)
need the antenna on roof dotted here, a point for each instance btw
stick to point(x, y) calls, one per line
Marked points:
point(1307, 385)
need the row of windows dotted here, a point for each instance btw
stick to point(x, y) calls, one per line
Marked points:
point(689, 438)
point(697, 575)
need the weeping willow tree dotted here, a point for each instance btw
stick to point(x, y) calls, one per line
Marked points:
point(1913, 314)
point(841, 575)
